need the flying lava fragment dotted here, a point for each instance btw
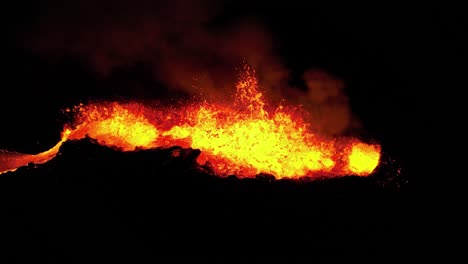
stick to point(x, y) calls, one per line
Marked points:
point(245, 138)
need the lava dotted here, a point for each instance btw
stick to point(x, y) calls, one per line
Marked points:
point(244, 138)
point(10, 161)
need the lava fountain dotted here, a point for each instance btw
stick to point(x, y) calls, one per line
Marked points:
point(244, 138)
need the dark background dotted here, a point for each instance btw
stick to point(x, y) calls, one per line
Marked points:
point(394, 61)
point(400, 64)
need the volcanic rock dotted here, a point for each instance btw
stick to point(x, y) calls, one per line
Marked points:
point(92, 199)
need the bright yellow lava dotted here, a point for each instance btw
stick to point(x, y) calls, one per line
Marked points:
point(243, 139)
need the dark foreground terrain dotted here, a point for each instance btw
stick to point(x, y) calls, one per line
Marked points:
point(94, 203)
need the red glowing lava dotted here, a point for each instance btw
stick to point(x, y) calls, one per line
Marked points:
point(244, 138)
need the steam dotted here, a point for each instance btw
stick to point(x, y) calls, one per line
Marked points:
point(189, 47)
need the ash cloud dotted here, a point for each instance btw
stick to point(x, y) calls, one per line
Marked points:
point(326, 102)
point(190, 46)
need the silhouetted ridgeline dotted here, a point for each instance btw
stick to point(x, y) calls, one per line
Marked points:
point(93, 201)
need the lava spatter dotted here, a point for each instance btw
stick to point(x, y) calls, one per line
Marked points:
point(244, 138)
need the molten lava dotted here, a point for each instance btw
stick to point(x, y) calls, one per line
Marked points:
point(244, 138)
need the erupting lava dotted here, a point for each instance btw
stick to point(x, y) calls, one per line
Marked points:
point(244, 138)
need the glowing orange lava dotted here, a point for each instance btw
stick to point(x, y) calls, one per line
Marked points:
point(242, 139)
point(10, 161)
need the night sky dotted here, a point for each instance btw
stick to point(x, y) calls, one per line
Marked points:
point(60, 54)
point(392, 61)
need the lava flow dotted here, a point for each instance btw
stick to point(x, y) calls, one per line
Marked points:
point(245, 138)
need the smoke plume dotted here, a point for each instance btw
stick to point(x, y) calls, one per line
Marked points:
point(192, 47)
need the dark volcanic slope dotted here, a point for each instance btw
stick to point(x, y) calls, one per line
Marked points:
point(91, 201)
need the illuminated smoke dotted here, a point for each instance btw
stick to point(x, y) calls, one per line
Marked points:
point(189, 47)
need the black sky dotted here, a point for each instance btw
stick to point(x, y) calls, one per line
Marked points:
point(391, 58)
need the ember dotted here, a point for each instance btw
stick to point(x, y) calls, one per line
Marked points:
point(244, 138)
